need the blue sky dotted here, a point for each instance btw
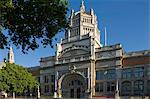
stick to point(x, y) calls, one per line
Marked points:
point(127, 22)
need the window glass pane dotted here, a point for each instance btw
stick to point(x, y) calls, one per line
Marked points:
point(110, 86)
point(46, 88)
point(126, 86)
point(139, 72)
point(99, 87)
point(110, 74)
point(148, 85)
point(148, 71)
point(138, 87)
point(126, 73)
point(46, 79)
point(99, 75)
point(52, 88)
point(52, 78)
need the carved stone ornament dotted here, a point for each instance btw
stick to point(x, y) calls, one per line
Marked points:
point(72, 68)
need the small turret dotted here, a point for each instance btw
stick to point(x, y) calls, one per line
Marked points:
point(93, 16)
point(91, 11)
point(72, 12)
point(71, 17)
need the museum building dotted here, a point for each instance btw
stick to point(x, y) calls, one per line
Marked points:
point(82, 67)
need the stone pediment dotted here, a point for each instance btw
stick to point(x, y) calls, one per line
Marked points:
point(74, 50)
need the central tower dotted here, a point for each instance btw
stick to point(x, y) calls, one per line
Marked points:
point(82, 23)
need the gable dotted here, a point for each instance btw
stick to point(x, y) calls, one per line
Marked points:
point(73, 52)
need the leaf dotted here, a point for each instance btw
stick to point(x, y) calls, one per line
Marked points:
point(32, 21)
point(15, 78)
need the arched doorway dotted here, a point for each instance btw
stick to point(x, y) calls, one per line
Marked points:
point(73, 85)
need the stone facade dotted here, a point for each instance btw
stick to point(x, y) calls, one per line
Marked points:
point(83, 68)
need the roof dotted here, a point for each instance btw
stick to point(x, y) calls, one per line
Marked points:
point(137, 53)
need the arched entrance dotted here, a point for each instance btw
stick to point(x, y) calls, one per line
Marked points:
point(72, 85)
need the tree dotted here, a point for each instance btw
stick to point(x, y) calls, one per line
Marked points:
point(15, 78)
point(31, 22)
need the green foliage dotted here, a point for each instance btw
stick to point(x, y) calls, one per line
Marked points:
point(15, 78)
point(31, 22)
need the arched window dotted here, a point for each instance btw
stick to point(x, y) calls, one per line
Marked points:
point(138, 87)
point(126, 88)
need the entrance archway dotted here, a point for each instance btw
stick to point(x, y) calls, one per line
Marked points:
point(73, 85)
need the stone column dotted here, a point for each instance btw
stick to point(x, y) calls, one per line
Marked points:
point(56, 81)
point(145, 88)
point(89, 83)
point(132, 87)
point(117, 83)
point(105, 87)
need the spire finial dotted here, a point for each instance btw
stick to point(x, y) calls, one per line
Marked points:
point(82, 7)
point(82, 2)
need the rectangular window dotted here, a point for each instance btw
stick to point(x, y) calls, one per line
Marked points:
point(139, 72)
point(148, 84)
point(52, 88)
point(110, 86)
point(52, 78)
point(111, 74)
point(99, 87)
point(46, 88)
point(126, 73)
point(99, 75)
point(46, 79)
point(148, 72)
point(72, 93)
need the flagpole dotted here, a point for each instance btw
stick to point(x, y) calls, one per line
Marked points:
point(105, 40)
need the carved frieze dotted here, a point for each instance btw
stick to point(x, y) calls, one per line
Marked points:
point(105, 54)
